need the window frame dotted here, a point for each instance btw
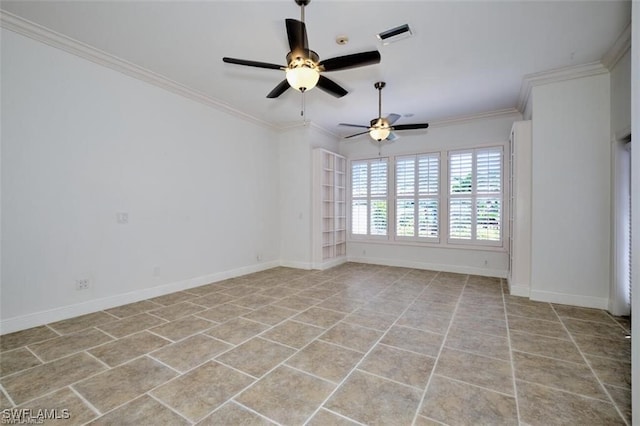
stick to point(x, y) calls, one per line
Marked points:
point(368, 199)
point(443, 241)
point(474, 195)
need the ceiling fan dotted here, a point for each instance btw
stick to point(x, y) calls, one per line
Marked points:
point(304, 65)
point(382, 128)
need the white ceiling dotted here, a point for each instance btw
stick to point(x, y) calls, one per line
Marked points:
point(464, 58)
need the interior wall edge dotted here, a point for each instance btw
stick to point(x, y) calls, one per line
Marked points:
point(570, 299)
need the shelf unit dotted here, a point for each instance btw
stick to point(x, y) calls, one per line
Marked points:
point(519, 277)
point(329, 209)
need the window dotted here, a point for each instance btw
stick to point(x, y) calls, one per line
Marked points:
point(475, 196)
point(369, 197)
point(417, 196)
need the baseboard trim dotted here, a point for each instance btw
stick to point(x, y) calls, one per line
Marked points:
point(35, 319)
point(330, 263)
point(570, 299)
point(486, 272)
point(298, 265)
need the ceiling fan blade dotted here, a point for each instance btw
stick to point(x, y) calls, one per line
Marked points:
point(392, 137)
point(410, 126)
point(297, 35)
point(392, 118)
point(253, 63)
point(350, 61)
point(353, 125)
point(357, 134)
point(279, 89)
point(331, 87)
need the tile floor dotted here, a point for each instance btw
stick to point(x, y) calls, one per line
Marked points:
point(357, 344)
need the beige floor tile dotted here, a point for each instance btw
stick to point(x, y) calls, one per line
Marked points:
point(172, 298)
point(425, 320)
point(318, 292)
point(73, 325)
point(568, 376)
point(540, 405)
point(325, 360)
point(391, 307)
point(48, 377)
point(255, 301)
point(239, 290)
point(176, 311)
point(223, 313)
point(483, 311)
point(341, 304)
point(433, 295)
point(541, 312)
point(237, 330)
point(622, 398)
point(191, 352)
point(423, 421)
point(278, 292)
point(17, 360)
point(478, 343)
point(371, 319)
point(25, 337)
point(69, 408)
point(128, 348)
point(69, 344)
point(562, 349)
point(540, 327)
point(183, 327)
point(617, 348)
point(202, 390)
point(495, 326)
point(118, 385)
point(453, 402)
point(423, 342)
point(297, 303)
point(270, 315)
point(611, 371)
point(212, 300)
point(234, 414)
point(592, 328)
point(325, 417)
point(491, 373)
point(132, 309)
point(256, 357)
point(372, 400)
point(319, 317)
point(352, 336)
point(396, 364)
point(141, 411)
point(293, 333)
point(4, 401)
point(130, 325)
point(286, 395)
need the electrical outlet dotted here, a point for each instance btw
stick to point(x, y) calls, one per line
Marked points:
point(82, 284)
point(122, 218)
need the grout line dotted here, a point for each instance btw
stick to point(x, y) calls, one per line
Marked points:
point(369, 373)
point(473, 385)
point(161, 402)
point(86, 401)
point(335, 413)
point(251, 410)
point(513, 366)
point(442, 346)
point(35, 355)
point(6, 394)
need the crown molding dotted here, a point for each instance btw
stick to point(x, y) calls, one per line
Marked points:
point(44, 35)
point(621, 46)
point(453, 121)
point(530, 81)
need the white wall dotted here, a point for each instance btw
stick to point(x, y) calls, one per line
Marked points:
point(295, 162)
point(454, 135)
point(571, 192)
point(621, 95)
point(80, 143)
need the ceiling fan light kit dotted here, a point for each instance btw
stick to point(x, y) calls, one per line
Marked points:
point(304, 67)
point(382, 128)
